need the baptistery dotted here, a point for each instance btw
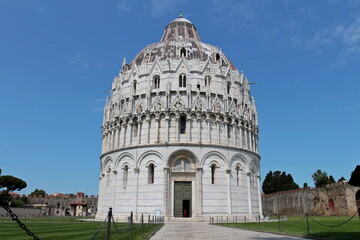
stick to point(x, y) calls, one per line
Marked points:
point(180, 134)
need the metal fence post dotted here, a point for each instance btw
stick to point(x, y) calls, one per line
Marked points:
point(142, 225)
point(153, 220)
point(131, 221)
point(259, 222)
point(149, 224)
point(279, 229)
point(107, 237)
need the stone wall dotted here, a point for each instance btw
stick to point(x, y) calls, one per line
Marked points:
point(334, 199)
point(56, 205)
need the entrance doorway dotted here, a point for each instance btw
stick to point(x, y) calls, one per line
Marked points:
point(182, 199)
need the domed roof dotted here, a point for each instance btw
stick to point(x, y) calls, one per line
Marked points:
point(180, 39)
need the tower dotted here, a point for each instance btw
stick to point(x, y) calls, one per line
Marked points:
point(180, 133)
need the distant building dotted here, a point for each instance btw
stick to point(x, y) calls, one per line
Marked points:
point(57, 204)
point(180, 134)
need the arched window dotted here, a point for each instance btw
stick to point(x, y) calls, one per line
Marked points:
point(182, 80)
point(253, 178)
point(151, 171)
point(125, 175)
point(207, 81)
point(136, 129)
point(183, 52)
point(238, 169)
point(229, 128)
point(217, 57)
point(228, 87)
point(134, 86)
point(182, 165)
point(213, 167)
point(156, 82)
point(182, 124)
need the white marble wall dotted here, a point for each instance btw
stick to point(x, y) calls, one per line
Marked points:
point(223, 198)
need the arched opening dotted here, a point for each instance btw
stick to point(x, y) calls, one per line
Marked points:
point(182, 165)
point(151, 173)
point(213, 168)
point(156, 82)
point(238, 169)
point(332, 206)
point(125, 175)
point(182, 124)
point(207, 80)
point(182, 80)
point(136, 129)
point(217, 57)
point(134, 86)
point(228, 87)
point(183, 52)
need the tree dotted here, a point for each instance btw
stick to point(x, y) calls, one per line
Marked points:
point(38, 192)
point(342, 179)
point(305, 185)
point(11, 183)
point(17, 203)
point(321, 178)
point(278, 181)
point(355, 177)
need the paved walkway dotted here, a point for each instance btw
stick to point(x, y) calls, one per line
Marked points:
point(202, 231)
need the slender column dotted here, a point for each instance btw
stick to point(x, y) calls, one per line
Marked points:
point(116, 138)
point(124, 134)
point(136, 169)
point(241, 137)
point(109, 140)
point(256, 143)
point(228, 172)
point(259, 196)
point(114, 190)
point(252, 141)
point(167, 128)
point(248, 175)
point(113, 138)
point(157, 129)
point(148, 131)
point(249, 139)
point(139, 132)
point(199, 190)
point(234, 133)
point(218, 131)
point(166, 187)
point(246, 138)
point(209, 132)
point(199, 130)
point(226, 133)
point(103, 144)
point(101, 187)
point(188, 129)
point(130, 127)
point(177, 130)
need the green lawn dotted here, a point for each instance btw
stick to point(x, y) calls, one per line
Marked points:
point(296, 225)
point(63, 228)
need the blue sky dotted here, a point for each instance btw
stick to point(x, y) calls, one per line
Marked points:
point(58, 57)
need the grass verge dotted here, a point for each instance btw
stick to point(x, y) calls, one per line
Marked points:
point(325, 227)
point(75, 230)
